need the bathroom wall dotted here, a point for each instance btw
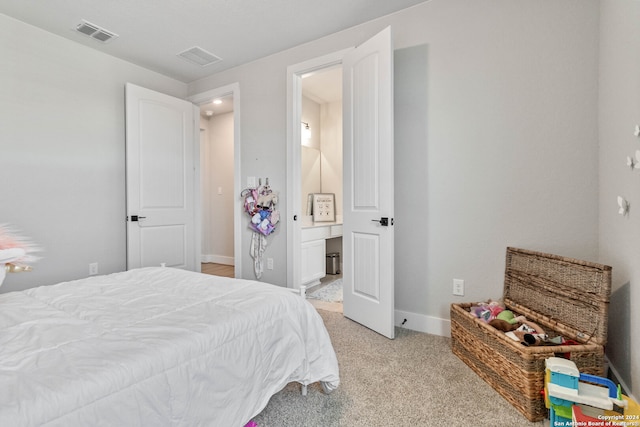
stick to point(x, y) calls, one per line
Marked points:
point(216, 160)
point(310, 170)
point(321, 155)
point(331, 147)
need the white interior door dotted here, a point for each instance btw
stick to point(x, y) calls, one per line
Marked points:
point(161, 185)
point(368, 239)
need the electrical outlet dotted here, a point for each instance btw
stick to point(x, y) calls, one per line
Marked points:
point(93, 269)
point(458, 287)
point(269, 263)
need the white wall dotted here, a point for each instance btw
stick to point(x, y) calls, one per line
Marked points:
point(331, 137)
point(496, 138)
point(62, 150)
point(321, 170)
point(310, 160)
point(217, 189)
point(310, 114)
point(497, 130)
point(620, 236)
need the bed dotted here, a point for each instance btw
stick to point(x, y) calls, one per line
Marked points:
point(155, 347)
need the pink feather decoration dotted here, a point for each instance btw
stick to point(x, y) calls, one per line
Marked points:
point(9, 239)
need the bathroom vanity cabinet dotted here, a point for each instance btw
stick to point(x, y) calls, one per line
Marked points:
point(313, 250)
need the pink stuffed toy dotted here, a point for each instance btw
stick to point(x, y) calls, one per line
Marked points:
point(487, 311)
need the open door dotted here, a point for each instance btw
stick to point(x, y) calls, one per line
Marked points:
point(368, 237)
point(161, 184)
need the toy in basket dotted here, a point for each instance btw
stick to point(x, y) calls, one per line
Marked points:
point(575, 398)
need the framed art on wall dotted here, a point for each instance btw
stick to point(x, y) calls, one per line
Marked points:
point(324, 207)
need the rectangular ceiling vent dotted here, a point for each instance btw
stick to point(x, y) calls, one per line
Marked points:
point(95, 32)
point(199, 56)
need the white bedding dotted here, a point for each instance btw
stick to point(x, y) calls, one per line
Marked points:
point(155, 347)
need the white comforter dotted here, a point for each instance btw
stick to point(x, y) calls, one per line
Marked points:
point(155, 347)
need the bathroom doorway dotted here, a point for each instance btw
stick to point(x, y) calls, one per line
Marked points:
point(368, 245)
point(321, 173)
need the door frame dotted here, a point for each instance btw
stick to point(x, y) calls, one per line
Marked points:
point(295, 73)
point(201, 98)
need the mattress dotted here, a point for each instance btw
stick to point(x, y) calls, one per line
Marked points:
point(155, 347)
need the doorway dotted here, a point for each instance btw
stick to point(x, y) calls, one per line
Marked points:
point(368, 242)
point(216, 184)
point(296, 209)
point(321, 173)
point(220, 180)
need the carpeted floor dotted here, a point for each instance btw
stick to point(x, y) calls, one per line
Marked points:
point(413, 380)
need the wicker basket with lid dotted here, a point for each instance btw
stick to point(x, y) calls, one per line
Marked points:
point(565, 296)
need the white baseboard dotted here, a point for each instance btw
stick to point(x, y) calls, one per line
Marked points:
point(422, 323)
point(218, 259)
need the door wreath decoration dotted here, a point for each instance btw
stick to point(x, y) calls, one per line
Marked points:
point(260, 205)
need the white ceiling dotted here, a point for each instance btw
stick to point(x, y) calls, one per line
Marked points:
point(210, 109)
point(151, 33)
point(323, 87)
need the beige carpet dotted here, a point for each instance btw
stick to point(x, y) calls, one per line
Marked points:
point(413, 380)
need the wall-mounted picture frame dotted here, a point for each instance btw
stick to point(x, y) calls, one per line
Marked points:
point(324, 207)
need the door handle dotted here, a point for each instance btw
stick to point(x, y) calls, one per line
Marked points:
point(135, 218)
point(384, 221)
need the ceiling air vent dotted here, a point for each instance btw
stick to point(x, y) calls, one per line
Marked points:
point(199, 56)
point(95, 32)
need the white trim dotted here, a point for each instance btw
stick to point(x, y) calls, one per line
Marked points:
point(197, 191)
point(199, 98)
point(302, 291)
point(422, 323)
point(294, 117)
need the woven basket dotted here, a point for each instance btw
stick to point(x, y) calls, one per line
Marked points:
point(566, 297)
